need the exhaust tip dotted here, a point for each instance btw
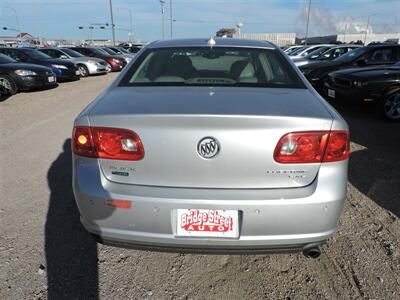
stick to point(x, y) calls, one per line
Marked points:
point(313, 252)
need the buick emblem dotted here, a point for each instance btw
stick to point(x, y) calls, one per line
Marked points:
point(208, 147)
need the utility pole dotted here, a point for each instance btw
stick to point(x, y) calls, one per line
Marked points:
point(130, 31)
point(345, 32)
point(170, 18)
point(91, 35)
point(366, 30)
point(308, 21)
point(131, 26)
point(112, 23)
point(162, 2)
point(37, 22)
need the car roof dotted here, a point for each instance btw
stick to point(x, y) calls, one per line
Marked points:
point(383, 45)
point(219, 42)
point(346, 46)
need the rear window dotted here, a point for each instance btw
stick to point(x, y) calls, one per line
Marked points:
point(217, 66)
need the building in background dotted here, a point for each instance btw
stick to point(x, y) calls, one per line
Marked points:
point(280, 39)
point(370, 38)
point(23, 39)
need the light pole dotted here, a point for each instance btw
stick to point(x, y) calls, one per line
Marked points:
point(130, 22)
point(38, 22)
point(345, 32)
point(170, 18)
point(130, 25)
point(112, 23)
point(366, 30)
point(18, 29)
point(308, 22)
point(162, 2)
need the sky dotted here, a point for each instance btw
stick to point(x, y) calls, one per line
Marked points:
point(195, 18)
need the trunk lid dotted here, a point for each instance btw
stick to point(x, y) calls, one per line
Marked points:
point(247, 123)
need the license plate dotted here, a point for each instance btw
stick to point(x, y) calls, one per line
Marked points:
point(215, 223)
point(331, 93)
point(51, 79)
point(77, 72)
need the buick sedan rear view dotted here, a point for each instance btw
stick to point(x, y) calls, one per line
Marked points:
point(210, 146)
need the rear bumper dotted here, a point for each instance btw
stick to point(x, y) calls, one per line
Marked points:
point(270, 219)
point(68, 76)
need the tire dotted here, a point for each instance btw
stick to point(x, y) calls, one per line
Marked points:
point(83, 70)
point(390, 106)
point(9, 85)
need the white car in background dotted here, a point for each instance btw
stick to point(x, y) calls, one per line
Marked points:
point(307, 50)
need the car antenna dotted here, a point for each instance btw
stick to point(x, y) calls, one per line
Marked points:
point(211, 42)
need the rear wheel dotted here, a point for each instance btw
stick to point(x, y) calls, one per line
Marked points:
point(83, 70)
point(8, 84)
point(391, 106)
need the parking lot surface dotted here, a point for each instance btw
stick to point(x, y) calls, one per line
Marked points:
point(46, 254)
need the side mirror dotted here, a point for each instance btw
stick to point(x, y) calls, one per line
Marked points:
point(64, 57)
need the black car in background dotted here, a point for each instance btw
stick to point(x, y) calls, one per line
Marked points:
point(64, 70)
point(376, 55)
point(15, 77)
point(380, 85)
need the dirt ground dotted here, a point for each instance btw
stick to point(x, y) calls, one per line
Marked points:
point(46, 254)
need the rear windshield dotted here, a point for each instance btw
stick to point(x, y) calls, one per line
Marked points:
point(98, 51)
point(352, 55)
point(72, 53)
point(217, 66)
point(109, 51)
point(4, 59)
point(35, 54)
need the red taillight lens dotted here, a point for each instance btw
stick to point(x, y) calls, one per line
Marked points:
point(312, 147)
point(109, 143)
point(338, 146)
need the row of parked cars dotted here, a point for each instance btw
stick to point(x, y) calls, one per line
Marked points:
point(27, 69)
point(351, 72)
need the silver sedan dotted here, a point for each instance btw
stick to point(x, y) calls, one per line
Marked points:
point(86, 65)
point(216, 145)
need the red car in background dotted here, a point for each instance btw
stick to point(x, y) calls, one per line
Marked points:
point(116, 62)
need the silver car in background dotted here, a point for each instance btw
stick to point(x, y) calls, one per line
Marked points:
point(211, 145)
point(110, 51)
point(302, 52)
point(324, 54)
point(86, 65)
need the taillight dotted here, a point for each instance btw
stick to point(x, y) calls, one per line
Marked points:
point(109, 143)
point(338, 146)
point(312, 147)
point(82, 143)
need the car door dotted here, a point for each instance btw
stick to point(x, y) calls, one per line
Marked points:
point(50, 52)
point(56, 53)
point(80, 50)
point(17, 55)
point(338, 52)
point(86, 52)
point(382, 56)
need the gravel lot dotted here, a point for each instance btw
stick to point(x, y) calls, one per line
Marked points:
point(45, 253)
